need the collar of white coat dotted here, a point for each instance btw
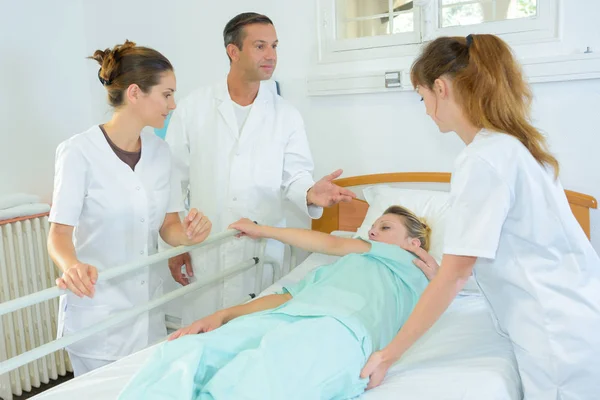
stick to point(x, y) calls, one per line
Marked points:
point(148, 143)
point(482, 134)
point(266, 91)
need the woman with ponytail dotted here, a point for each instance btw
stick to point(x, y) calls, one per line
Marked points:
point(510, 223)
point(112, 198)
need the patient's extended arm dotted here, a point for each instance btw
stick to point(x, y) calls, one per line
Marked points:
point(221, 317)
point(305, 239)
point(256, 305)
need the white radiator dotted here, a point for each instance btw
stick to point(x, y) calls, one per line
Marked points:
point(25, 268)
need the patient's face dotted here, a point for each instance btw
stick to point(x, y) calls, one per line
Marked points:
point(390, 229)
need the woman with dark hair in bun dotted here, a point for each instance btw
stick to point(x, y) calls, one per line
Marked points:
point(112, 198)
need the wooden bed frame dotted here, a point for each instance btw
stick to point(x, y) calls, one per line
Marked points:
point(349, 216)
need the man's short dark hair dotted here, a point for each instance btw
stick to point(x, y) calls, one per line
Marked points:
point(234, 30)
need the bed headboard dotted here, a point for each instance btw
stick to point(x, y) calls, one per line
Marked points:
point(349, 216)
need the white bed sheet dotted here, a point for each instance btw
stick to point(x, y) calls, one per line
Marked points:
point(461, 357)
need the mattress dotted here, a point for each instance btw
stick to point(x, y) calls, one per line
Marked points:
point(461, 357)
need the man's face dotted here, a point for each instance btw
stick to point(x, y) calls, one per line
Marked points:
point(258, 56)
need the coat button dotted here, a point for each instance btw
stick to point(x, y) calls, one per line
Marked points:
point(142, 220)
point(142, 252)
point(138, 188)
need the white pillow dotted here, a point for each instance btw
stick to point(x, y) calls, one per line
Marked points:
point(431, 205)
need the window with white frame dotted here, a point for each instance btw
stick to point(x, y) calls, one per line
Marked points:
point(362, 24)
point(363, 29)
point(468, 12)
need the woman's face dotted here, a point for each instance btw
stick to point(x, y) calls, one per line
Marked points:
point(155, 106)
point(438, 104)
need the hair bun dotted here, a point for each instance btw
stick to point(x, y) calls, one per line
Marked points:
point(100, 56)
point(127, 45)
point(109, 61)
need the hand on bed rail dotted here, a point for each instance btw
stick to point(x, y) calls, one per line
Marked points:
point(248, 228)
point(325, 193)
point(194, 229)
point(79, 279)
point(425, 261)
point(197, 227)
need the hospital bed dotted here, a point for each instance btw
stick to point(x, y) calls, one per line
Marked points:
point(461, 357)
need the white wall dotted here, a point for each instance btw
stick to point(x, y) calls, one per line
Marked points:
point(185, 32)
point(360, 133)
point(42, 98)
point(175, 31)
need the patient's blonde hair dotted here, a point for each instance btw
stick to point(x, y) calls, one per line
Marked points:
point(416, 227)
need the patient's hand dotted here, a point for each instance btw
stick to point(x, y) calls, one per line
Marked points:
point(248, 228)
point(425, 261)
point(203, 325)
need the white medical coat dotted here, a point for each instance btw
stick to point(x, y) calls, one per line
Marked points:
point(535, 266)
point(231, 174)
point(117, 213)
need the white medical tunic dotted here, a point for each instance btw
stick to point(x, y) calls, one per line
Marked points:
point(117, 214)
point(232, 173)
point(535, 266)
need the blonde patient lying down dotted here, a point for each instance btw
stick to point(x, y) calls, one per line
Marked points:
point(312, 340)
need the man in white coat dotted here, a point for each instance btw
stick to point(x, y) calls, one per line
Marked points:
point(239, 149)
